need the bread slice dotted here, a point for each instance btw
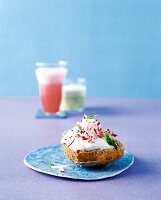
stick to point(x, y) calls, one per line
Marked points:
point(94, 157)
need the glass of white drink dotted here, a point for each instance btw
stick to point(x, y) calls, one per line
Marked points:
point(73, 95)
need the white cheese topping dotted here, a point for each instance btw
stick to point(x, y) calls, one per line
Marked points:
point(86, 135)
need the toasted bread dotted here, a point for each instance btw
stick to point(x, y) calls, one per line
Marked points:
point(94, 157)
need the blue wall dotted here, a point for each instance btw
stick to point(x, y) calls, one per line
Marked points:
point(114, 44)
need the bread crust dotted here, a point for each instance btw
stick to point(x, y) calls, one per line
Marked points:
point(98, 157)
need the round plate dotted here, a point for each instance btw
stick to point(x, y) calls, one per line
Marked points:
point(40, 159)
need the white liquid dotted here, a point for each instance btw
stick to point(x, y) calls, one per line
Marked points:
point(47, 75)
point(73, 90)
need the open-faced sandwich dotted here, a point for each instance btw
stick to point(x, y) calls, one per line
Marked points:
point(87, 144)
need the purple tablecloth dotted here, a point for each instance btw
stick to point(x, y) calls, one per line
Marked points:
point(137, 122)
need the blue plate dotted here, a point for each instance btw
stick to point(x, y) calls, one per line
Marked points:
point(40, 159)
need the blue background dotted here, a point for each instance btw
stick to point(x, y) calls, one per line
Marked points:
point(114, 44)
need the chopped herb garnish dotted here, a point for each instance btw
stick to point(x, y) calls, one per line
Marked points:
point(90, 116)
point(80, 128)
point(51, 164)
point(110, 140)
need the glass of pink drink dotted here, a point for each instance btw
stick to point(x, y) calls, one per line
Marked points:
point(50, 77)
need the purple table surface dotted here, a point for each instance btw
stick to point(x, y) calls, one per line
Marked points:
point(137, 122)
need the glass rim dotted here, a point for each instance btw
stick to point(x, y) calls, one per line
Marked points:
point(75, 81)
point(51, 64)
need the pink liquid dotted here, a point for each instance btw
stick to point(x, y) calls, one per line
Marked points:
point(50, 87)
point(50, 95)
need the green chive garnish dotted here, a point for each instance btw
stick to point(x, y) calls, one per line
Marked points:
point(110, 140)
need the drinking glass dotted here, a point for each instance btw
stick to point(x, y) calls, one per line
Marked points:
point(73, 95)
point(50, 77)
